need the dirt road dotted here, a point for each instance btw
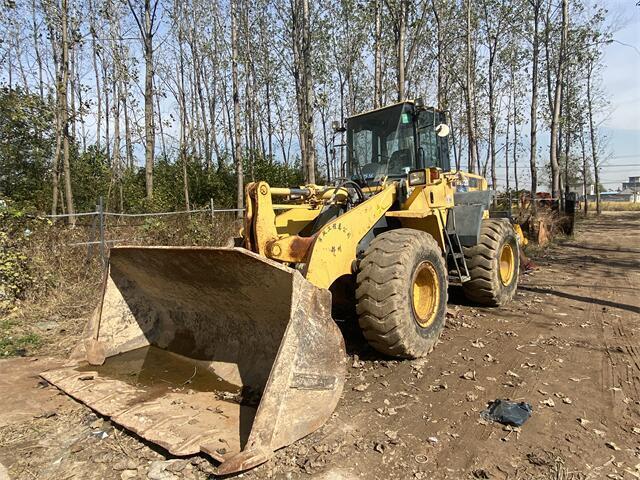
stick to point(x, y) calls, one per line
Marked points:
point(569, 345)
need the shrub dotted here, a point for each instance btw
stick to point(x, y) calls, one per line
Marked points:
point(16, 276)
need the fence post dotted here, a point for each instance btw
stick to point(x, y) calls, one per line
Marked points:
point(212, 212)
point(101, 230)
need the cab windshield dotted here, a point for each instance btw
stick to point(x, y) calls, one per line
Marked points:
point(381, 144)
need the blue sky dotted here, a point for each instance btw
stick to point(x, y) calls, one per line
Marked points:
point(619, 124)
point(621, 81)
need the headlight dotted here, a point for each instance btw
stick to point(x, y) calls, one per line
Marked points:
point(417, 177)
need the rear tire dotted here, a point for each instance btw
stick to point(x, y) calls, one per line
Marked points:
point(493, 264)
point(402, 293)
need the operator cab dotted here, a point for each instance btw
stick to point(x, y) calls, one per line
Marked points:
point(391, 141)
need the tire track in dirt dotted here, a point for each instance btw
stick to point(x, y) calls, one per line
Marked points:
point(610, 310)
point(612, 370)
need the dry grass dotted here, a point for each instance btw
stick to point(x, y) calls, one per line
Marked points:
point(616, 206)
point(67, 277)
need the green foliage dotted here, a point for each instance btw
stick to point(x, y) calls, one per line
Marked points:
point(274, 173)
point(90, 177)
point(168, 187)
point(204, 184)
point(27, 142)
point(15, 273)
point(27, 147)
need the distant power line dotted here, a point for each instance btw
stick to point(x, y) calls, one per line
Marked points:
point(621, 165)
point(609, 182)
point(632, 155)
point(527, 167)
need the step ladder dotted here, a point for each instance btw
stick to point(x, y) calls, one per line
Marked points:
point(455, 253)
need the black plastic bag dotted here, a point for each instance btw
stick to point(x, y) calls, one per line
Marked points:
point(507, 412)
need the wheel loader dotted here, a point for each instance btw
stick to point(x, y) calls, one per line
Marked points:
point(234, 351)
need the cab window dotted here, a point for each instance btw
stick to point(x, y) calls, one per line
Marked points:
point(381, 144)
point(433, 150)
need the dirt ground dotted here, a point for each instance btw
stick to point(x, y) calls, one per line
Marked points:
point(569, 345)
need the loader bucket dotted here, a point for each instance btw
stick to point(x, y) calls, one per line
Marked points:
point(214, 350)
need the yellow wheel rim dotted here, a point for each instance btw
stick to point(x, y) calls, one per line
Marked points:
point(425, 293)
point(507, 264)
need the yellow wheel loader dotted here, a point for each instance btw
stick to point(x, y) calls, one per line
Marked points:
point(234, 352)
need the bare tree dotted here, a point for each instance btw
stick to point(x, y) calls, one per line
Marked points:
point(302, 72)
point(401, 38)
point(557, 102)
point(536, 6)
point(470, 97)
point(592, 132)
point(146, 21)
point(60, 46)
point(64, 112)
point(377, 82)
point(236, 104)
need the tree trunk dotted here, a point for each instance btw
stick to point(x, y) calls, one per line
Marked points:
point(269, 121)
point(72, 98)
point(56, 160)
point(301, 49)
point(472, 158)
point(58, 116)
point(81, 110)
point(506, 139)
point(534, 101)
point(197, 66)
point(107, 109)
point(308, 93)
point(146, 26)
point(401, 41)
point(585, 170)
point(117, 162)
point(439, 50)
point(127, 125)
point(298, 81)
point(557, 101)
point(592, 133)
point(567, 135)
point(65, 113)
point(492, 117)
point(36, 46)
point(149, 120)
point(515, 141)
point(96, 74)
point(325, 141)
point(236, 106)
point(377, 94)
point(185, 131)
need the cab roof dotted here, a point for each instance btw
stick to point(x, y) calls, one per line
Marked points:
point(408, 102)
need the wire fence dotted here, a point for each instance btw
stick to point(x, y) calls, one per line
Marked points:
point(100, 222)
point(106, 229)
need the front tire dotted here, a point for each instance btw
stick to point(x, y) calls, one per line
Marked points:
point(402, 293)
point(493, 264)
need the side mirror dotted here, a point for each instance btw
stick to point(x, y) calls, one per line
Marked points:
point(337, 127)
point(442, 130)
